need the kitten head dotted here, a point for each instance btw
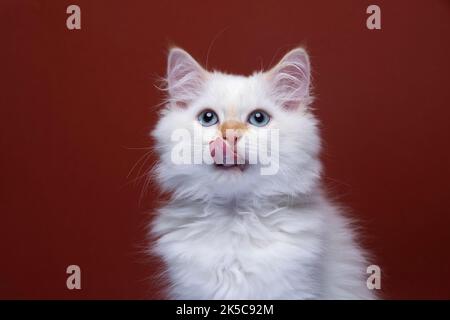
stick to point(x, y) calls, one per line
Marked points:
point(224, 136)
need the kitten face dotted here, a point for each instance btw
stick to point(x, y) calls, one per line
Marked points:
point(255, 135)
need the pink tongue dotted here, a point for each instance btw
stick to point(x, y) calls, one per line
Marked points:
point(222, 153)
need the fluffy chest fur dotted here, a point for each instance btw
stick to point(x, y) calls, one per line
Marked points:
point(222, 253)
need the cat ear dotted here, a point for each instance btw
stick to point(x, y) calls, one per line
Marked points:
point(290, 79)
point(185, 77)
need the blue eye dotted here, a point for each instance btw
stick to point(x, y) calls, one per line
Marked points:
point(259, 118)
point(208, 118)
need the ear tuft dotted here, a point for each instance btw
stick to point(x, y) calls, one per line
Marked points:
point(185, 77)
point(290, 79)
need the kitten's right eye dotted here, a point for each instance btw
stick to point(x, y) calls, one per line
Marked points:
point(208, 118)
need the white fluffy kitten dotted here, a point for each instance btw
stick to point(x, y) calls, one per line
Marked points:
point(230, 232)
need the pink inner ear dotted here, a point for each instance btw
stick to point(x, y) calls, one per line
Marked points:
point(291, 79)
point(185, 77)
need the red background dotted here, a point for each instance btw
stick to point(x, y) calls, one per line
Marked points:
point(76, 107)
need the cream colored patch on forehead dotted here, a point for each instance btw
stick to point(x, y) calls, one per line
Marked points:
point(231, 113)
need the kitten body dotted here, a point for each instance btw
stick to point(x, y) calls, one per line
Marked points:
point(232, 232)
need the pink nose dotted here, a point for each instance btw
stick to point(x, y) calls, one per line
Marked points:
point(222, 152)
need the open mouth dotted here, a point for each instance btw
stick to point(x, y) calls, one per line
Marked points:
point(225, 156)
point(240, 167)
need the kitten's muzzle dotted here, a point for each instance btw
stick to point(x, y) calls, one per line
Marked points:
point(224, 152)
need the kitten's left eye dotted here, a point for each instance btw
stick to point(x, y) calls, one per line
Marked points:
point(208, 118)
point(259, 118)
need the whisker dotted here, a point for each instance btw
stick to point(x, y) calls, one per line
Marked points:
point(138, 161)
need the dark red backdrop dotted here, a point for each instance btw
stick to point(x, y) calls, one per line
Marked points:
point(76, 104)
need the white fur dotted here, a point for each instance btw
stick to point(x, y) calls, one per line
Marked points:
point(227, 234)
